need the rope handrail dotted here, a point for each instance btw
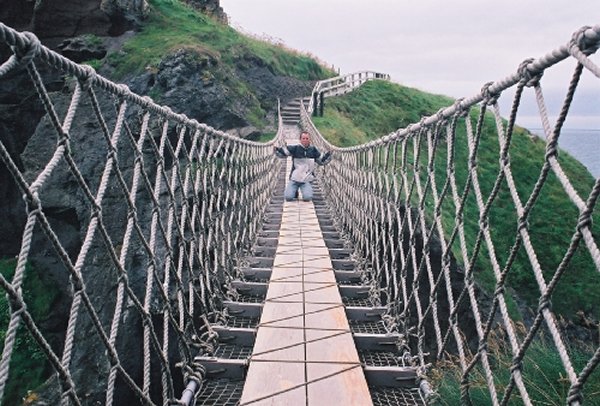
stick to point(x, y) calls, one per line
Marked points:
point(422, 206)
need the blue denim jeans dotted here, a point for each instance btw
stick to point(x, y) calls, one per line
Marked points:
point(291, 190)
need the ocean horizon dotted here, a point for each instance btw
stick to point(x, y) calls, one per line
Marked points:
point(582, 144)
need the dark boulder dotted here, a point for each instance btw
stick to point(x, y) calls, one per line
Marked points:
point(211, 8)
point(54, 20)
point(82, 48)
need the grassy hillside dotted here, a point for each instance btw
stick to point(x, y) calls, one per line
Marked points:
point(172, 25)
point(375, 109)
point(378, 108)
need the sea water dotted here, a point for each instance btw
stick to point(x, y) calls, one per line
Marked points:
point(583, 145)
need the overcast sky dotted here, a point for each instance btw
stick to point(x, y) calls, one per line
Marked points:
point(445, 47)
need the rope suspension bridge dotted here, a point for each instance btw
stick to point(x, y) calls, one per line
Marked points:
point(200, 285)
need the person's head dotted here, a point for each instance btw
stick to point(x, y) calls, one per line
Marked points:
point(304, 139)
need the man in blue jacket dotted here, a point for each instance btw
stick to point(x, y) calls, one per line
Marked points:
point(304, 156)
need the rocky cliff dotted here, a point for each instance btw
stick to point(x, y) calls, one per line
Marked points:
point(54, 20)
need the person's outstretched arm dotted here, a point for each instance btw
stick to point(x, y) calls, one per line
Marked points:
point(281, 152)
point(324, 159)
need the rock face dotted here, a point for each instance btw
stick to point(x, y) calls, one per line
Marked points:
point(210, 7)
point(82, 48)
point(226, 98)
point(68, 209)
point(20, 112)
point(457, 284)
point(55, 20)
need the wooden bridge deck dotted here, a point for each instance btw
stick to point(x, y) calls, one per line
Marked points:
point(304, 352)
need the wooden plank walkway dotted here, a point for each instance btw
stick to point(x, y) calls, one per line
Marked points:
point(304, 352)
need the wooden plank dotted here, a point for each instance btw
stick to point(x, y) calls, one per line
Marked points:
point(273, 383)
point(337, 384)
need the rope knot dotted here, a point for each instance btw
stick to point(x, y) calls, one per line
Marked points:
point(17, 305)
point(517, 365)
point(483, 346)
point(544, 303)
point(575, 395)
point(123, 278)
point(412, 127)
point(440, 117)
point(33, 204)
point(489, 97)
point(147, 101)
point(86, 77)
point(585, 219)
point(529, 76)
point(585, 44)
point(28, 48)
point(551, 150)
point(461, 111)
point(122, 92)
point(483, 223)
point(64, 142)
point(523, 224)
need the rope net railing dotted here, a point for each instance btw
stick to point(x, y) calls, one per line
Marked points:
point(167, 208)
point(423, 207)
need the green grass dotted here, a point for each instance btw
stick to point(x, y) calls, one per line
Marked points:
point(172, 25)
point(266, 137)
point(372, 111)
point(378, 108)
point(542, 370)
point(28, 366)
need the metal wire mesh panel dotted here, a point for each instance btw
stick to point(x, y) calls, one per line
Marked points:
point(242, 322)
point(357, 302)
point(251, 298)
point(380, 358)
point(396, 396)
point(229, 351)
point(220, 392)
point(367, 327)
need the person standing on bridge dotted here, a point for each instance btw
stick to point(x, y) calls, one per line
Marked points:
point(304, 156)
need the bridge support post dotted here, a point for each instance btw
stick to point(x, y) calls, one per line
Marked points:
point(321, 104)
point(315, 111)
